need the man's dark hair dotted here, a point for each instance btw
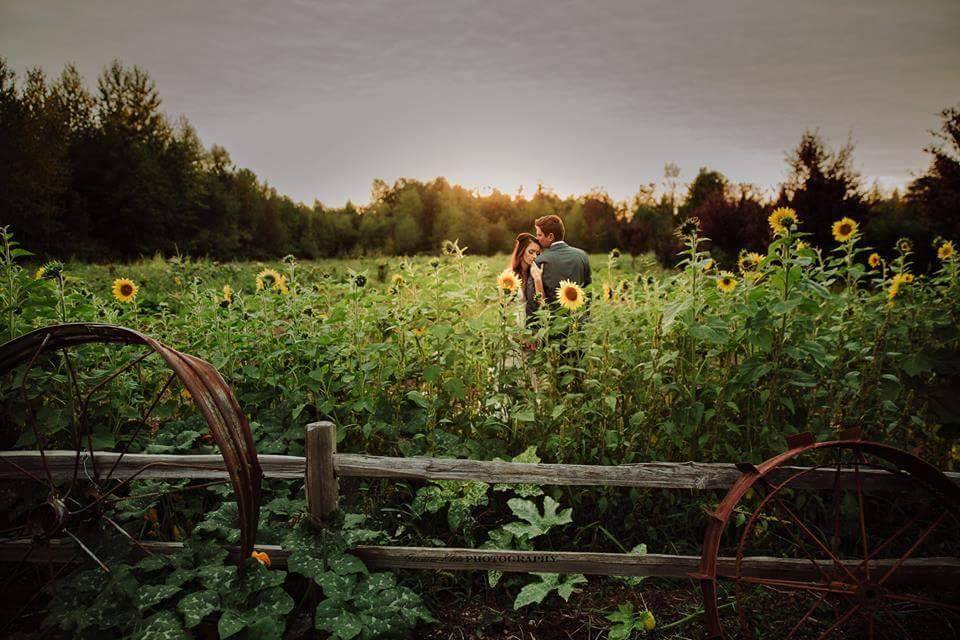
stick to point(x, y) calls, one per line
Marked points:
point(551, 224)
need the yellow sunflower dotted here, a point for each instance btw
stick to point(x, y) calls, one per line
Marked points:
point(396, 279)
point(39, 273)
point(843, 229)
point(227, 293)
point(124, 290)
point(899, 280)
point(570, 295)
point(282, 285)
point(801, 245)
point(508, 281)
point(945, 252)
point(782, 220)
point(907, 278)
point(874, 260)
point(709, 264)
point(726, 282)
point(748, 261)
point(268, 279)
point(607, 292)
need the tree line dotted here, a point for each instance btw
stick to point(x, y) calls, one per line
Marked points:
point(104, 174)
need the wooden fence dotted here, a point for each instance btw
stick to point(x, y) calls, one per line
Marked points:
point(323, 466)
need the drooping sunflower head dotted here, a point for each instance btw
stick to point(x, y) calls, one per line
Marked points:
point(905, 245)
point(124, 290)
point(570, 295)
point(946, 251)
point(434, 262)
point(607, 292)
point(726, 282)
point(709, 264)
point(360, 281)
point(690, 226)
point(844, 229)
point(52, 270)
point(228, 293)
point(396, 280)
point(39, 273)
point(783, 220)
point(874, 260)
point(615, 253)
point(268, 279)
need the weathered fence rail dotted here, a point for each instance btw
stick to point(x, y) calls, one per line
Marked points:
point(322, 467)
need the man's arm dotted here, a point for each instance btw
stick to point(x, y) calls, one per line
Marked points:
point(551, 279)
point(587, 278)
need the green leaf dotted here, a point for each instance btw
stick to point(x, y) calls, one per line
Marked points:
point(345, 625)
point(163, 626)
point(149, 595)
point(347, 564)
point(305, 564)
point(197, 606)
point(536, 524)
point(230, 622)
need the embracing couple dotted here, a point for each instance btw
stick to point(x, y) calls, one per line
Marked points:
point(543, 261)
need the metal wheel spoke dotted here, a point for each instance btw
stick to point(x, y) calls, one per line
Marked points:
point(143, 421)
point(899, 597)
point(924, 536)
point(839, 623)
point(33, 421)
point(153, 494)
point(807, 615)
point(87, 551)
point(863, 516)
point(796, 585)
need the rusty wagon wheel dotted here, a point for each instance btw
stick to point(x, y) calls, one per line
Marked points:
point(841, 539)
point(77, 398)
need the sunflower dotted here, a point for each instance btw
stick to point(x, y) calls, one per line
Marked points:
point(843, 229)
point(689, 227)
point(801, 245)
point(268, 279)
point(907, 278)
point(607, 292)
point(360, 281)
point(899, 280)
point(227, 294)
point(905, 245)
point(396, 279)
point(782, 220)
point(748, 261)
point(124, 290)
point(419, 331)
point(282, 285)
point(726, 282)
point(709, 264)
point(874, 260)
point(945, 252)
point(185, 394)
point(570, 295)
point(508, 281)
point(39, 273)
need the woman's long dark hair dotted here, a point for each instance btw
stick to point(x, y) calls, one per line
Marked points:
point(516, 261)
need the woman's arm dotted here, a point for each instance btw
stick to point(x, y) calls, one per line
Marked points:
point(536, 272)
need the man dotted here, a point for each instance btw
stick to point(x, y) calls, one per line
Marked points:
point(559, 261)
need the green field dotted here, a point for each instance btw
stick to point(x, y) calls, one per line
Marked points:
point(426, 356)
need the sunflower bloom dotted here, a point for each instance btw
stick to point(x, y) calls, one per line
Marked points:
point(508, 281)
point(748, 261)
point(898, 281)
point(268, 279)
point(124, 290)
point(843, 229)
point(874, 260)
point(709, 264)
point(946, 251)
point(227, 293)
point(39, 273)
point(726, 282)
point(782, 220)
point(570, 295)
point(801, 245)
point(607, 292)
point(282, 285)
point(396, 279)
point(262, 557)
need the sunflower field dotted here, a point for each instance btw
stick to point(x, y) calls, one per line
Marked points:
point(430, 356)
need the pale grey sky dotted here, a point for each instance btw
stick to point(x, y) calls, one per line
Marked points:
point(319, 98)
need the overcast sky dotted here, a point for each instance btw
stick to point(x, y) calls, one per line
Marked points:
point(319, 97)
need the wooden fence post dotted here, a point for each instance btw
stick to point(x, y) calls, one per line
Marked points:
point(322, 484)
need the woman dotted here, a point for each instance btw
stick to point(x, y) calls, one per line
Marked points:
point(525, 251)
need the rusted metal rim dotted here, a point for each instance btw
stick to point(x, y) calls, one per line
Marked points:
point(209, 391)
point(920, 470)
